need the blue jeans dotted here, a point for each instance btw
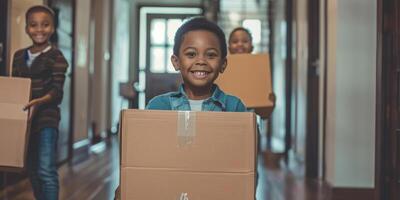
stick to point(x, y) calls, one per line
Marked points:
point(42, 167)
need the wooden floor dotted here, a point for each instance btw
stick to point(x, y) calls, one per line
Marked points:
point(81, 181)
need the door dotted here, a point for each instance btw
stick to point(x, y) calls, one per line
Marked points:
point(312, 90)
point(3, 35)
point(389, 134)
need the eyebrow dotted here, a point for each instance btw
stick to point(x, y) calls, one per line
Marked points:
point(212, 48)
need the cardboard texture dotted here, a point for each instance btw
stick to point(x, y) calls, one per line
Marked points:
point(248, 76)
point(187, 155)
point(14, 94)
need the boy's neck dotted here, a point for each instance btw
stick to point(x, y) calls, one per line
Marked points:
point(39, 47)
point(198, 93)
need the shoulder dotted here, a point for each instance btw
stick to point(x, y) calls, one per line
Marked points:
point(58, 54)
point(234, 104)
point(57, 57)
point(231, 102)
point(19, 54)
point(160, 102)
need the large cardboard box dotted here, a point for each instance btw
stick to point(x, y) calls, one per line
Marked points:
point(183, 155)
point(248, 76)
point(14, 94)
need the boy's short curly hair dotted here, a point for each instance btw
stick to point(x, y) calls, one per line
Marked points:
point(241, 29)
point(39, 8)
point(199, 23)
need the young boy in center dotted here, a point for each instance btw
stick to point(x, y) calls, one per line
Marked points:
point(199, 54)
point(45, 65)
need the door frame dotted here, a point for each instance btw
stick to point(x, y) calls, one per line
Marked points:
point(313, 80)
point(387, 163)
point(4, 5)
point(137, 71)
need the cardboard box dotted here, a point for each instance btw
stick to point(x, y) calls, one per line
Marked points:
point(14, 95)
point(187, 155)
point(248, 76)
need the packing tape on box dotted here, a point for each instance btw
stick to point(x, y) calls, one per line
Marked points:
point(186, 128)
point(12, 111)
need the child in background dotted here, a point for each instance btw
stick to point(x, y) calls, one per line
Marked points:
point(240, 41)
point(199, 54)
point(45, 65)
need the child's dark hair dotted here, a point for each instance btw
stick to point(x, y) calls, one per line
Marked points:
point(241, 29)
point(39, 8)
point(199, 23)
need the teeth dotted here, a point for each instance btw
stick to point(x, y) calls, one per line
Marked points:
point(200, 73)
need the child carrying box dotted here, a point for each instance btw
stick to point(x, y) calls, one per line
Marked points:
point(241, 42)
point(45, 65)
point(199, 53)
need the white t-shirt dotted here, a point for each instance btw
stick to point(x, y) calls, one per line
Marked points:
point(195, 105)
point(33, 56)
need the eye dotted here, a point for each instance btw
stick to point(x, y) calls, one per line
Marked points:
point(190, 54)
point(234, 41)
point(212, 55)
point(32, 24)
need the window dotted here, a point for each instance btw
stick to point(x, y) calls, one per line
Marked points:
point(254, 26)
point(162, 32)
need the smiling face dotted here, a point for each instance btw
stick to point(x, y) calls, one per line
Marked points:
point(199, 60)
point(39, 27)
point(240, 42)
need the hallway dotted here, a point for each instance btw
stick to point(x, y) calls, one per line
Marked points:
point(97, 177)
point(331, 129)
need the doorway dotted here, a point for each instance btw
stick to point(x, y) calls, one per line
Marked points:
point(156, 74)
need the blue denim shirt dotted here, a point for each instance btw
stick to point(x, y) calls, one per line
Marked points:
point(219, 101)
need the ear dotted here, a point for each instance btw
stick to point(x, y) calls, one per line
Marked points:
point(223, 65)
point(251, 48)
point(175, 62)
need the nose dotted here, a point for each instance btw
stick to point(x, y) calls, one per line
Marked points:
point(201, 60)
point(39, 28)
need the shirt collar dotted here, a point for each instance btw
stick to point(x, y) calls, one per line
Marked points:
point(218, 97)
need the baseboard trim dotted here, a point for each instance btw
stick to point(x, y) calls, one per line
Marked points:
point(81, 151)
point(341, 193)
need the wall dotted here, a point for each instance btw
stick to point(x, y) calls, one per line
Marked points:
point(101, 72)
point(299, 84)
point(350, 133)
point(81, 71)
point(279, 41)
point(120, 56)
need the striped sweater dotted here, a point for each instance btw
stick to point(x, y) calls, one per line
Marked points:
point(47, 74)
